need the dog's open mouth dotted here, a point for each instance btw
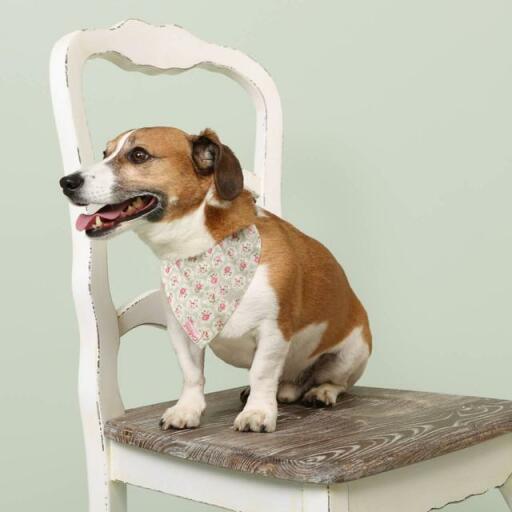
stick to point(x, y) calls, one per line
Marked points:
point(112, 215)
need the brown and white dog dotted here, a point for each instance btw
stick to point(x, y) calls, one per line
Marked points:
point(299, 327)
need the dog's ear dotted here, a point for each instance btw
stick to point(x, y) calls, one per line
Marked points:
point(211, 156)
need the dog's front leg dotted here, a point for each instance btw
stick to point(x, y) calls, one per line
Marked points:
point(260, 411)
point(191, 404)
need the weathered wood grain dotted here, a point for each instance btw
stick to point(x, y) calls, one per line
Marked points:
point(370, 430)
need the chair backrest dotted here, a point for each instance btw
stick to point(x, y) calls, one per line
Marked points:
point(136, 46)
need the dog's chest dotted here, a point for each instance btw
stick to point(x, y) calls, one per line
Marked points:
point(236, 343)
point(205, 291)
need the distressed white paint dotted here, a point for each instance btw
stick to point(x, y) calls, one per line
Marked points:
point(147, 309)
point(435, 483)
point(315, 497)
point(134, 45)
point(420, 487)
point(203, 483)
point(137, 46)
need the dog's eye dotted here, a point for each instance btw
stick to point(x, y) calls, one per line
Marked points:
point(138, 155)
point(104, 154)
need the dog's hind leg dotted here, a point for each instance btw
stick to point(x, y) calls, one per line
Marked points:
point(324, 395)
point(336, 371)
point(289, 392)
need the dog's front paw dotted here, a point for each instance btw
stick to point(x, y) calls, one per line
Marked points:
point(256, 420)
point(180, 416)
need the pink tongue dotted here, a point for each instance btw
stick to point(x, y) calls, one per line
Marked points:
point(85, 221)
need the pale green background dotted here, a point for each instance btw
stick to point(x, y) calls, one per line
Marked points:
point(397, 155)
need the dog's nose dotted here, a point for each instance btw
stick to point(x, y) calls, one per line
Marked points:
point(71, 182)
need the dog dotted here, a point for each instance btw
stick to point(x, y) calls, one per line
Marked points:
point(294, 321)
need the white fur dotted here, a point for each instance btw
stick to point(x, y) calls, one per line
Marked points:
point(181, 238)
point(191, 404)
point(252, 339)
point(331, 375)
point(259, 303)
point(352, 354)
point(261, 212)
point(260, 411)
point(119, 146)
point(302, 344)
point(214, 201)
point(237, 342)
point(289, 392)
point(100, 180)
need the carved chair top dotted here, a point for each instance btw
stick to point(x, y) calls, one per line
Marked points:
point(137, 46)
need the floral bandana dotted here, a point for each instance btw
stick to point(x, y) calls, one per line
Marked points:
point(204, 291)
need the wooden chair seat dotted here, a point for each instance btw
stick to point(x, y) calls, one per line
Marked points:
point(369, 431)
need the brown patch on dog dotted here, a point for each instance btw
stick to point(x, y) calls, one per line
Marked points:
point(236, 215)
point(310, 284)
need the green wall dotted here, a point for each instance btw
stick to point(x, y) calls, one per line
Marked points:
point(397, 155)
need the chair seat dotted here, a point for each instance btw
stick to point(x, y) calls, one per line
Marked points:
point(369, 431)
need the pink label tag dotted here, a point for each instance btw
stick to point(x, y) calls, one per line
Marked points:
point(191, 330)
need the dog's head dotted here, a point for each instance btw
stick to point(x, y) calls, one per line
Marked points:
point(153, 175)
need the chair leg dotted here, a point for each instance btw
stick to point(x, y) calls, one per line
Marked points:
point(506, 491)
point(107, 496)
point(322, 498)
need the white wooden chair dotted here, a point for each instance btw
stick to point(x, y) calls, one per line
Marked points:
point(377, 450)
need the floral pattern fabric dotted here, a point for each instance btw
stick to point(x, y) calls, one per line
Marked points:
point(204, 291)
